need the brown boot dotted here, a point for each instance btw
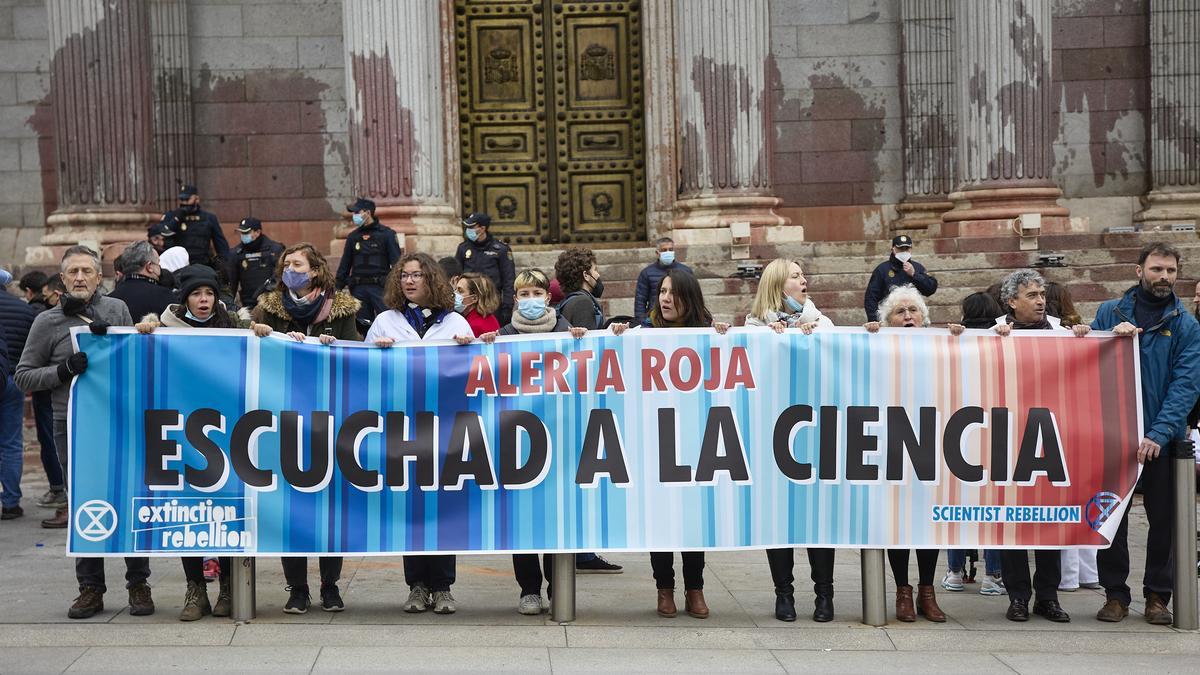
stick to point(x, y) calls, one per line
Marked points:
point(1157, 612)
point(695, 605)
point(904, 604)
point(1113, 611)
point(927, 605)
point(59, 521)
point(666, 603)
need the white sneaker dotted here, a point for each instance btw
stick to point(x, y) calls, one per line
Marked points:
point(443, 603)
point(530, 605)
point(953, 581)
point(992, 586)
point(418, 599)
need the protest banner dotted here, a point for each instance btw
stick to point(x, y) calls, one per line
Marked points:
point(206, 442)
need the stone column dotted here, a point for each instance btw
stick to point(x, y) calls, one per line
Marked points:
point(171, 70)
point(100, 82)
point(1005, 161)
point(662, 178)
point(930, 101)
point(723, 122)
point(394, 98)
point(1174, 114)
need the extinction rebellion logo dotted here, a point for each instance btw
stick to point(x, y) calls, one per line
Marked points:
point(96, 520)
point(1100, 507)
point(200, 524)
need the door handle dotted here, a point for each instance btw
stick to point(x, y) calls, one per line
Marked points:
point(604, 142)
point(514, 144)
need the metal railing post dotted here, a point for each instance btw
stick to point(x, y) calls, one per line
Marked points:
point(874, 600)
point(241, 589)
point(1184, 598)
point(562, 605)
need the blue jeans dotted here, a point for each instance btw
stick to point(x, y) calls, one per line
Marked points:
point(12, 424)
point(43, 416)
point(956, 559)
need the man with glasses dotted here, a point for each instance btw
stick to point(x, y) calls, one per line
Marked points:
point(490, 257)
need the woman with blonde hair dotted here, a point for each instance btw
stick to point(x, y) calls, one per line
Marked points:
point(782, 302)
point(475, 297)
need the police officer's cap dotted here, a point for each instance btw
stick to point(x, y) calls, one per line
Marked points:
point(187, 192)
point(361, 204)
point(902, 241)
point(478, 219)
point(249, 224)
point(159, 230)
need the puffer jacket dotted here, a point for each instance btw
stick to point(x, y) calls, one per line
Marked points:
point(340, 322)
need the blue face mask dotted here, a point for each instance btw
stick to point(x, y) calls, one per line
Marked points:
point(472, 233)
point(192, 317)
point(358, 219)
point(458, 303)
point(666, 257)
point(532, 308)
point(295, 280)
point(246, 239)
point(793, 304)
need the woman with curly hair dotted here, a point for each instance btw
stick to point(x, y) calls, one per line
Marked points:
point(475, 297)
point(421, 308)
point(581, 285)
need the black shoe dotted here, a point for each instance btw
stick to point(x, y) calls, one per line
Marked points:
point(11, 512)
point(1051, 610)
point(597, 565)
point(331, 598)
point(1018, 610)
point(785, 606)
point(298, 601)
point(823, 610)
point(141, 602)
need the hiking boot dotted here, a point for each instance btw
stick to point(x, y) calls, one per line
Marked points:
point(331, 598)
point(666, 603)
point(992, 586)
point(530, 605)
point(224, 604)
point(1113, 611)
point(598, 565)
point(90, 601)
point(418, 599)
point(11, 512)
point(443, 603)
point(53, 499)
point(59, 521)
point(141, 603)
point(1156, 611)
point(298, 600)
point(953, 581)
point(195, 603)
point(212, 569)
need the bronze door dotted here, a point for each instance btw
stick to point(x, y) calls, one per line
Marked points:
point(550, 114)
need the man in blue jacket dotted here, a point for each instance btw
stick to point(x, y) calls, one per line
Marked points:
point(898, 270)
point(652, 276)
point(15, 319)
point(1170, 365)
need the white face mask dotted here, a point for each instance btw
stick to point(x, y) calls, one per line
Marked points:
point(904, 256)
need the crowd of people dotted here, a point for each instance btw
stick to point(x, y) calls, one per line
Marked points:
point(185, 276)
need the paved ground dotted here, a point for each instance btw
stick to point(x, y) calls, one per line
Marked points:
point(616, 630)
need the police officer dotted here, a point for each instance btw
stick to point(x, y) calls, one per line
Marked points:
point(252, 263)
point(371, 250)
point(199, 231)
point(488, 256)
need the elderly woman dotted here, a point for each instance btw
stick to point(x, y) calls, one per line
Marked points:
point(904, 307)
point(782, 302)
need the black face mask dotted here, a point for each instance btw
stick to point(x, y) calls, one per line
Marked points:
point(189, 208)
point(72, 306)
point(598, 289)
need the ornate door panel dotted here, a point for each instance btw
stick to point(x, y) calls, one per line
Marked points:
point(550, 104)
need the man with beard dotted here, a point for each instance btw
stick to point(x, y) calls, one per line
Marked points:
point(49, 362)
point(1170, 365)
point(1023, 294)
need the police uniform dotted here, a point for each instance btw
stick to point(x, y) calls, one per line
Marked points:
point(197, 231)
point(493, 259)
point(252, 265)
point(371, 251)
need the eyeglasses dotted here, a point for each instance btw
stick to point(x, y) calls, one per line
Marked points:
point(415, 276)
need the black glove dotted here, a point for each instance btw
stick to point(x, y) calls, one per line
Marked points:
point(98, 327)
point(74, 365)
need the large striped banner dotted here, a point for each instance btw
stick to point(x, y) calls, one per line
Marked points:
point(221, 442)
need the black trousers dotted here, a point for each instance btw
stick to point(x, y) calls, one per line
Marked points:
point(90, 571)
point(436, 572)
point(295, 570)
point(1158, 485)
point(193, 569)
point(1014, 565)
point(371, 297)
point(820, 562)
point(663, 565)
point(926, 565)
point(529, 573)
